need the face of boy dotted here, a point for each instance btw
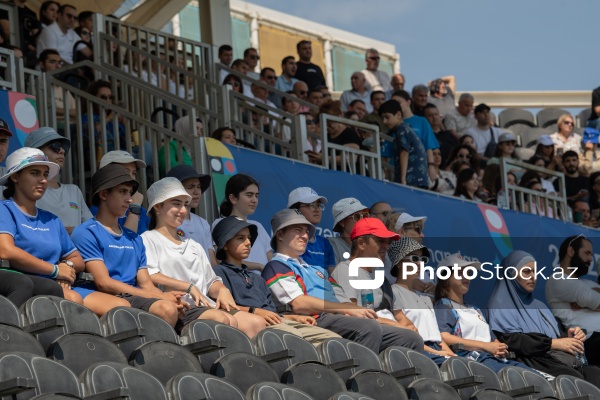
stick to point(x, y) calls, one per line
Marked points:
point(238, 247)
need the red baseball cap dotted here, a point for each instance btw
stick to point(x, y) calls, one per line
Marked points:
point(372, 226)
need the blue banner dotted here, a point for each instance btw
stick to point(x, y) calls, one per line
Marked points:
point(478, 232)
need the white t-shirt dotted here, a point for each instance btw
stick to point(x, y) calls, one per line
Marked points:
point(186, 261)
point(198, 229)
point(260, 248)
point(472, 324)
point(341, 275)
point(67, 203)
point(419, 310)
point(482, 137)
point(53, 38)
point(377, 80)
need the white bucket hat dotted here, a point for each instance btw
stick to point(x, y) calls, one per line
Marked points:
point(346, 207)
point(165, 189)
point(27, 157)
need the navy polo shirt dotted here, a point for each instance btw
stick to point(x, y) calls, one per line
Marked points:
point(247, 289)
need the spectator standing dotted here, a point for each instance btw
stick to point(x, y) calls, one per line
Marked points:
point(594, 120)
point(48, 12)
point(285, 82)
point(485, 136)
point(441, 94)
point(377, 98)
point(268, 76)
point(225, 57)
point(252, 58)
point(377, 79)
point(445, 138)
point(419, 100)
point(461, 117)
point(309, 73)
point(359, 91)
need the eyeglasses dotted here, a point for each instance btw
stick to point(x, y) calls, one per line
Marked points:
point(270, 77)
point(358, 216)
point(384, 213)
point(415, 228)
point(568, 123)
point(107, 97)
point(310, 122)
point(85, 32)
point(234, 84)
point(302, 92)
point(254, 57)
point(57, 146)
point(374, 58)
point(28, 160)
point(415, 259)
point(314, 206)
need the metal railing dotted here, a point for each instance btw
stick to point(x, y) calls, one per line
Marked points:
point(532, 201)
point(8, 69)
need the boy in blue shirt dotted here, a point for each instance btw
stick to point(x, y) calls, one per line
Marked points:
point(410, 158)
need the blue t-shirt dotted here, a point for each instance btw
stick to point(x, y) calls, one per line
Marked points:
point(43, 235)
point(122, 254)
point(247, 289)
point(406, 139)
point(319, 253)
point(143, 224)
point(423, 130)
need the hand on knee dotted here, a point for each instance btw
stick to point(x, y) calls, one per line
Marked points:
point(73, 296)
point(215, 315)
point(165, 310)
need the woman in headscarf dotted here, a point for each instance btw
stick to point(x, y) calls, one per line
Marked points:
point(184, 128)
point(527, 325)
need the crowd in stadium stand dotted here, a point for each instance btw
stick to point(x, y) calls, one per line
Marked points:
point(232, 271)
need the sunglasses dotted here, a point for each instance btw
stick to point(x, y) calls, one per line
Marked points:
point(234, 84)
point(254, 57)
point(107, 97)
point(417, 229)
point(270, 77)
point(568, 123)
point(358, 216)
point(415, 259)
point(302, 92)
point(374, 58)
point(384, 213)
point(57, 146)
point(310, 122)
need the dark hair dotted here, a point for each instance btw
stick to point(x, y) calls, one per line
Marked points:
point(463, 177)
point(498, 152)
point(353, 102)
point(235, 78)
point(535, 158)
point(48, 52)
point(474, 161)
point(302, 42)
point(237, 62)
point(218, 133)
point(349, 114)
point(248, 50)
point(538, 150)
point(374, 92)
point(314, 90)
point(223, 48)
point(264, 70)
point(402, 93)
point(9, 188)
point(569, 153)
point(593, 199)
point(331, 107)
point(390, 107)
point(442, 288)
point(491, 175)
point(419, 88)
point(152, 224)
point(286, 59)
point(576, 245)
point(43, 9)
point(235, 185)
point(528, 177)
point(61, 9)
point(95, 86)
point(430, 105)
point(84, 15)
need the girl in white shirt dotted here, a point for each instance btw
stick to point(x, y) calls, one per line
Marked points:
point(181, 264)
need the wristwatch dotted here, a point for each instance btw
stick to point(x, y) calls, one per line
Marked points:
point(68, 262)
point(135, 209)
point(251, 310)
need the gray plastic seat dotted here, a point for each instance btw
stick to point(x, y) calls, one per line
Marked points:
point(456, 368)
point(513, 116)
point(14, 337)
point(28, 375)
point(68, 317)
point(314, 378)
point(9, 313)
point(530, 136)
point(377, 384)
point(120, 380)
point(525, 384)
point(430, 389)
point(137, 327)
point(243, 370)
point(358, 358)
point(412, 365)
point(275, 391)
point(269, 341)
point(350, 396)
point(79, 351)
point(164, 360)
point(199, 386)
point(548, 117)
point(583, 116)
point(567, 387)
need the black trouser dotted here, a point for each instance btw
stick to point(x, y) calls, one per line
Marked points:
point(19, 288)
point(592, 349)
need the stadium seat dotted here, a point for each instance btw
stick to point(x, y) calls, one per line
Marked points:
point(548, 117)
point(270, 341)
point(275, 391)
point(430, 389)
point(199, 386)
point(512, 116)
point(14, 338)
point(583, 117)
point(352, 356)
point(75, 318)
point(314, 378)
point(530, 136)
point(350, 396)
point(567, 387)
point(377, 384)
point(9, 313)
point(408, 365)
point(164, 360)
point(522, 383)
point(79, 351)
point(55, 397)
point(136, 327)
point(25, 375)
point(459, 368)
point(243, 370)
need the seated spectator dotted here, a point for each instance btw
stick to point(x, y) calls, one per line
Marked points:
point(445, 181)
point(467, 185)
point(527, 325)
point(359, 91)
point(48, 13)
point(376, 78)
point(566, 139)
point(462, 323)
point(269, 76)
point(576, 301)
point(225, 135)
point(316, 295)
point(41, 255)
point(576, 186)
point(410, 158)
point(29, 29)
point(351, 115)
point(545, 150)
point(242, 67)
point(136, 217)
point(446, 140)
point(194, 226)
point(491, 184)
point(234, 238)
point(184, 129)
point(506, 146)
point(5, 135)
point(241, 200)
point(485, 136)
point(381, 210)
point(346, 212)
point(591, 152)
point(180, 264)
point(261, 94)
point(251, 58)
point(315, 97)
point(397, 83)
point(300, 89)
point(313, 143)
point(377, 98)
point(285, 82)
point(441, 94)
point(583, 208)
point(419, 100)
point(593, 182)
point(461, 117)
point(61, 37)
point(546, 183)
point(358, 106)
point(468, 140)
point(84, 34)
point(463, 153)
point(325, 92)
point(531, 203)
point(61, 199)
point(307, 71)
point(318, 250)
point(594, 120)
point(418, 308)
point(235, 82)
point(103, 90)
point(50, 60)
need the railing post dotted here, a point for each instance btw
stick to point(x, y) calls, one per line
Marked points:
point(324, 141)
point(299, 139)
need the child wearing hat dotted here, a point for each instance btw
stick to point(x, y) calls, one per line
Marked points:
point(35, 243)
point(180, 263)
point(234, 238)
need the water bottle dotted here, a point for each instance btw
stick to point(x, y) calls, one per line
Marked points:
point(366, 299)
point(474, 355)
point(581, 359)
point(501, 199)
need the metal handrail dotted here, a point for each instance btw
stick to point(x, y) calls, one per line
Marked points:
point(516, 194)
point(8, 80)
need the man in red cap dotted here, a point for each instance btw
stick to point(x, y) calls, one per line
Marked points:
point(371, 239)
